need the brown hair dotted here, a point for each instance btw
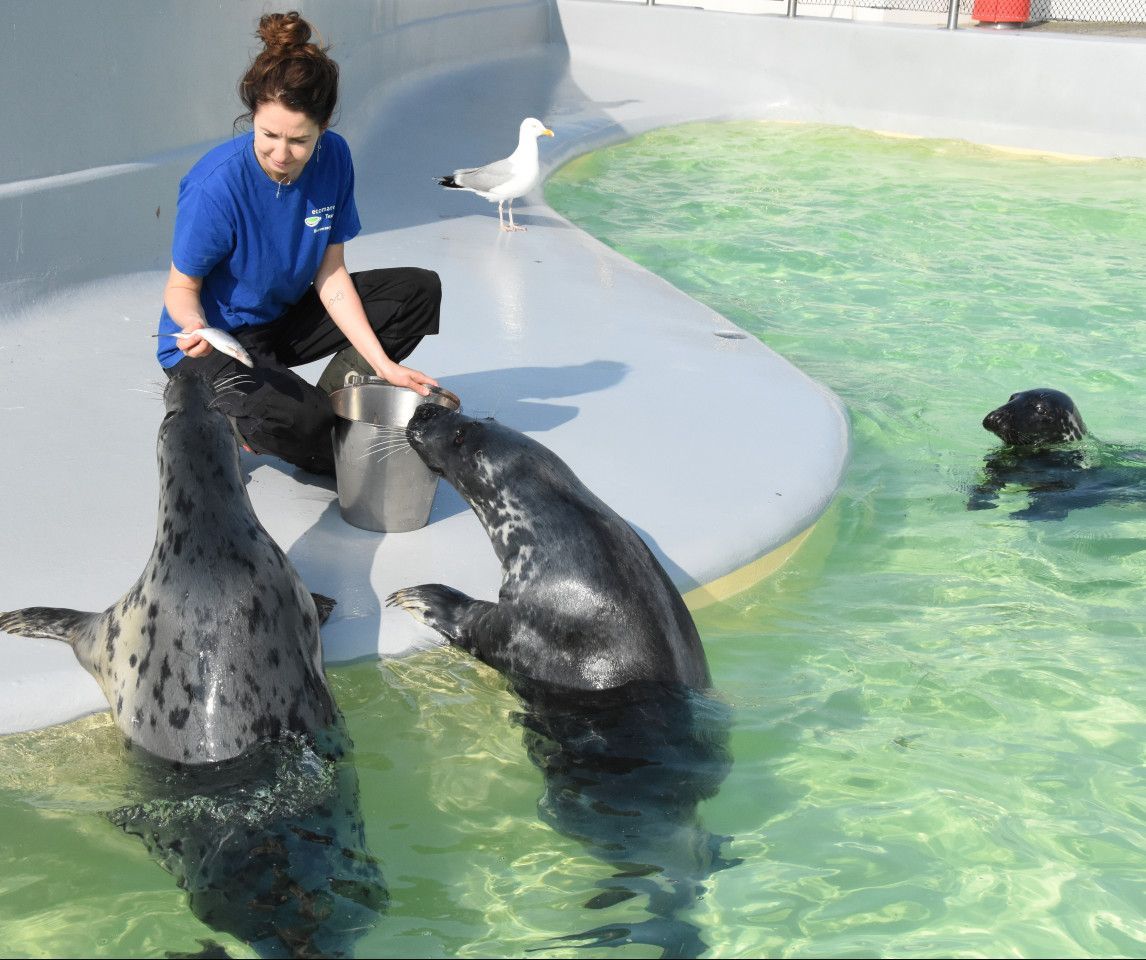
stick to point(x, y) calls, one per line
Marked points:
point(290, 70)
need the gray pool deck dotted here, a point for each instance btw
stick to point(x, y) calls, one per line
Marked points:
point(717, 450)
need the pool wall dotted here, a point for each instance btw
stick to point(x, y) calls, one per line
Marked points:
point(104, 114)
point(1049, 92)
point(99, 119)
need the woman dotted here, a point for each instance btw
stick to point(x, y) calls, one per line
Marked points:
point(258, 251)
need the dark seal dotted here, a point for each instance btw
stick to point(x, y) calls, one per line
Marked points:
point(625, 771)
point(598, 644)
point(583, 603)
point(1036, 418)
point(1048, 452)
point(212, 665)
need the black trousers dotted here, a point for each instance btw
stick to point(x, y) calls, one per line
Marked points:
point(278, 412)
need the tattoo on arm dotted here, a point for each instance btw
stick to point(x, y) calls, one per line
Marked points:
point(334, 299)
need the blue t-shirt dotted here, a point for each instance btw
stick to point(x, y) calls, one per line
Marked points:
point(256, 243)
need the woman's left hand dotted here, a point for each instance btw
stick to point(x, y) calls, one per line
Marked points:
point(402, 376)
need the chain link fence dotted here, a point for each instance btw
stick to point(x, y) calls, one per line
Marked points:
point(1130, 14)
point(1085, 11)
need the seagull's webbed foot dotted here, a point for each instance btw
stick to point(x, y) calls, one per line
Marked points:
point(512, 226)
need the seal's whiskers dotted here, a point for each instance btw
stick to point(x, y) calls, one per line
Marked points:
point(154, 388)
point(219, 402)
point(233, 381)
point(391, 453)
point(386, 449)
point(387, 439)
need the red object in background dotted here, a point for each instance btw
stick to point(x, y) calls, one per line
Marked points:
point(1001, 11)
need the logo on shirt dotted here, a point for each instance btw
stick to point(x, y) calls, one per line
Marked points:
point(317, 217)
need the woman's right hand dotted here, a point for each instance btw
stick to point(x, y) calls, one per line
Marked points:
point(402, 376)
point(194, 345)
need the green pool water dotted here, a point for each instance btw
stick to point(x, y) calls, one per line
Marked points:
point(937, 724)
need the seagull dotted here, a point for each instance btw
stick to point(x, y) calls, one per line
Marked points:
point(505, 179)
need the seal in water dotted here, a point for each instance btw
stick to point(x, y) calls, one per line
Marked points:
point(625, 771)
point(1038, 417)
point(270, 847)
point(216, 646)
point(583, 603)
point(1048, 452)
point(600, 647)
point(212, 665)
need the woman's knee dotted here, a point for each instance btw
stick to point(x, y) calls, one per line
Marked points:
point(406, 283)
point(430, 283)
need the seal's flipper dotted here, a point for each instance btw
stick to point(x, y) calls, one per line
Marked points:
point(675, 937)
point(47, 623)
point(444, 609)
point(324, 605)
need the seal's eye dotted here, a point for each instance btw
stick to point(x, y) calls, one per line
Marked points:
point(459, 438)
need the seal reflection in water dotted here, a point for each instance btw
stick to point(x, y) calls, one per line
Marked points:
point(598, 643)
point(212, 666)
point(1048, 452)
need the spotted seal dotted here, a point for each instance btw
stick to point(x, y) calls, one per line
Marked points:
point(212, 666)
point(270, 847)
point(1048, 452)
point(216, 646)
point(583, 603)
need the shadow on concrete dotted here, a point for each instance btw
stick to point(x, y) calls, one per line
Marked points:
point(510, 395)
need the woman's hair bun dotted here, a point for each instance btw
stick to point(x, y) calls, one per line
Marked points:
point(282, 31)
point(290, 70)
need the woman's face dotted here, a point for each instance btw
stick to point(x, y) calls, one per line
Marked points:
point(284, 140)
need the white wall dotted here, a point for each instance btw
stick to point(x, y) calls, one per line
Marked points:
point(1043, 91)
point(106, 105)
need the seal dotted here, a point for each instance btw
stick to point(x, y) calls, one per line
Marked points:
point(1048, 452)
point(216, 646)
point(1038, 417)
point(212, 666)
point(269, 847)
point(583, 603)
point(624, 773)
point(598, 644)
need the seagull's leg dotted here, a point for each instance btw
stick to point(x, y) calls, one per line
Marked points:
point(500, 218)
point(512, 225)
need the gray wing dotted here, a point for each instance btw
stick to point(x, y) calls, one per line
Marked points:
point(485, 178)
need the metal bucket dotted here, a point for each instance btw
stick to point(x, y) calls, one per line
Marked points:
point(382, 483)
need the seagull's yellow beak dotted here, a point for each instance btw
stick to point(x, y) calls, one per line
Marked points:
point(547, 132)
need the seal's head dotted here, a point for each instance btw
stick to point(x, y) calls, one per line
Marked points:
point(187, 391)
point(196, 429)
point(477, 457)
point(1036, 418)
